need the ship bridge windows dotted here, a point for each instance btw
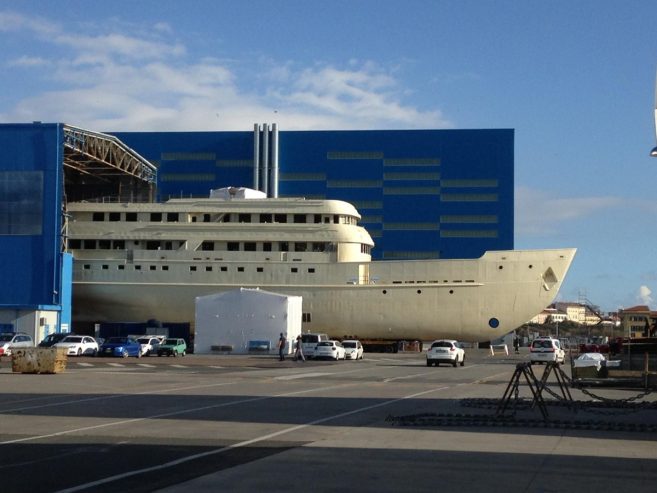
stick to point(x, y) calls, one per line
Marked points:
point(319, 247)
point(244, 218)
point(98, 216)
point(207, 246)
point(266, 246)
point(104, 245)
point(266, 218)
point(131, 217)
point(300, 247)
point(299, 218)
point(283, 246)
point(172, 217)
point(233, 246)
point(249, 246)
point(114, 216)
point(156, 217)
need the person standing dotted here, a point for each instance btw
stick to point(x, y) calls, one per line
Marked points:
point(516, 344)
point(298, 353)
point(281, 347)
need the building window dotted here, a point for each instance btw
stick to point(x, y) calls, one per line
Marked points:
point(299, 218)
point(120, 267)
point(266, 218)
point(104, 245)
point(131, 217)
point(311, 270)
point(172, 217)
point(300, 247)
point(208, 268)
point(137, 267)
point(86, 266)
point(89, 244)
point(192, 268)
point(119, 245)
point(240, 269)
point(305, 317)
point(98, 216)
point(114, 216)
point(266, 246)
point(223, 268)
point(165, 267)
point(152, 267)
point(233, 246)
point(283, 246)
point(244, 218)
point(249, 246)
point(105, 267)
point(152, 245)
point(207, 246)
point(294, 270)
point(259, 269)
point(156, 217)
point(280, 218)
point(74, 244)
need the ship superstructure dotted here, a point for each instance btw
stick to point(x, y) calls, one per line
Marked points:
point(141, 261)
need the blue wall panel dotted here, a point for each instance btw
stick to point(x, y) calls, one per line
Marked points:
point(30, 214)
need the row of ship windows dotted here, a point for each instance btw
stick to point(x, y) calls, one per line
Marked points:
point(192, 268)
point(174, 217)
point(223, 268)
point(212, 246)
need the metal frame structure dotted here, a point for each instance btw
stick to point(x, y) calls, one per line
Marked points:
point(102, 155)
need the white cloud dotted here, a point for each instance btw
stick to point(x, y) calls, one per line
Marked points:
point(538, 213)
point(117, 81)
point(644, 295)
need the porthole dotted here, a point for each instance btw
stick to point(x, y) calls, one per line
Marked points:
point(419, 291)
point(501, 267)
point(531, 266)
point(451, 291)
point(494, 323)
point(385, 291)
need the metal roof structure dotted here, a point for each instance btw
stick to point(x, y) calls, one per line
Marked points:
point(103, 156)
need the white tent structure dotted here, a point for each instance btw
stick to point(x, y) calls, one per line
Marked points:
point(245, 321)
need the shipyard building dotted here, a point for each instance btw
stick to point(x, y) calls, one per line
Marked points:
point(421, 193)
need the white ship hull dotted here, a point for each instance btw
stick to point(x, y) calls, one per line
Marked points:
point(468, 300)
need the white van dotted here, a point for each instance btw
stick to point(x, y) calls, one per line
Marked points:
point(309, 342)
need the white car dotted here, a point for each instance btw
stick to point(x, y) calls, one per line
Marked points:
point(9, 340)
point(79, 345)
point(445, 351)
point(545, 350)
point(329, 349)
point(353, 349)
point(149, 344)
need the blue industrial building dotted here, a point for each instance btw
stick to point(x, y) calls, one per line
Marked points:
point(422, 193)
point(41, 167)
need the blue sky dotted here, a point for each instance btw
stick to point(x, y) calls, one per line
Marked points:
point(575, 79)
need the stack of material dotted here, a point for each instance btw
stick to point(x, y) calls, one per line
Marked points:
point(38, 360)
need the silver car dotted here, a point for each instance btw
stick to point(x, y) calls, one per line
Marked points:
point(10, 340)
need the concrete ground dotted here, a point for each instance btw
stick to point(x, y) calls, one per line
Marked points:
point(241, 423)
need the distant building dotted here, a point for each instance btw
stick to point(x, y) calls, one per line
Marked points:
point(638, 321)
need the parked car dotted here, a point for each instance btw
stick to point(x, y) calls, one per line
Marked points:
point(149, 344)
point(79, 345)
point(546, 349)
point(52, 339)
point(445, 351)
point(10, 340)
point(309, 343)
point(329, 349)
point(172, 347)
point(353, 349)
point(120, 346)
